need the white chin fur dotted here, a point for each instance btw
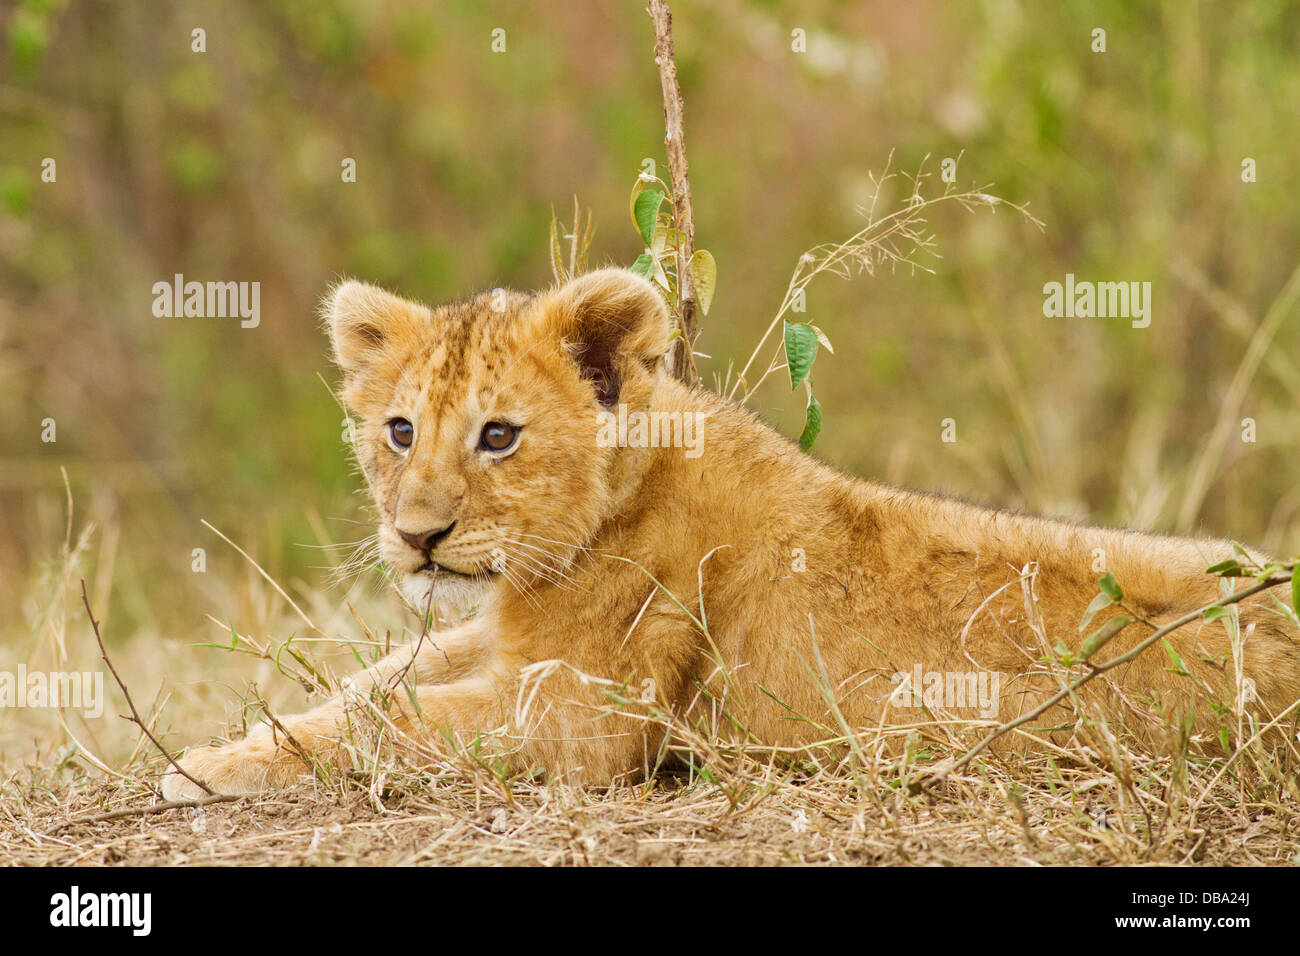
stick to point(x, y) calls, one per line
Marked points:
point(460, 592)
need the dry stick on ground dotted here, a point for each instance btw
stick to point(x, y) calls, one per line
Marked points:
point(135, 715)
point(941, 773)
point(675, 141)
point(152, 808)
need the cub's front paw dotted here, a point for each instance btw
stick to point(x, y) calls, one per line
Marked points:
point(222, 769)
point(251, 765)
point(176, 787)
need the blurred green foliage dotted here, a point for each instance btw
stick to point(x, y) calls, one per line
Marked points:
point(225, 165)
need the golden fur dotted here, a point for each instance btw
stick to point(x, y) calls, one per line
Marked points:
point(810, 580)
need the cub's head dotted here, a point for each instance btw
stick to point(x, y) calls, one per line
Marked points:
point(476, 423)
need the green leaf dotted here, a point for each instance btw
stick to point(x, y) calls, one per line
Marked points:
point(1214, 613)
point(1225, 569)
point(813, 425)
point(1110, 587)
point(1099, 603)
point(800, 350)
point(644, 265)
point(1295, 590)
point(704, 273)
point(1098, 638)
point(646, 211)
point(1179, 667)
point(639, 186)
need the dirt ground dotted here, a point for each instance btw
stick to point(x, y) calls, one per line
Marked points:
point(667, 822)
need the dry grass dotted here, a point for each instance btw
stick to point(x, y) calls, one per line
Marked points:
point(1040, 811)
point(1095, 801)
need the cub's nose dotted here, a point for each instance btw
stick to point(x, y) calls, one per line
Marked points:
point(425, 541)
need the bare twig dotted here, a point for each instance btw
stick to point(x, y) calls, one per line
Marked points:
point(153, 808)
point(424, 632)
point(298, 749)
point(682, 357)
point(135, 715)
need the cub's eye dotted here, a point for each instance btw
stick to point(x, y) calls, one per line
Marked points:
point(498, 437)
point(401, 432)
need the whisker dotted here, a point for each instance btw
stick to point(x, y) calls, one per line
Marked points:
point(364, 557)
point(519, 565)
point(522, 588)
point(335, 544)
point(566, 544)
point(544, 554)
point(533, 564)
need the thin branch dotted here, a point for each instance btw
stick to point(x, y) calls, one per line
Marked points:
point(941, 773)
point(424, 632)
point(135, 715)
point(298, 749)
point(683, 358)
point(153, 808)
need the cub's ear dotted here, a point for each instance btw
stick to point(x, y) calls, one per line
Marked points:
point(364, 320)
point(613, 323)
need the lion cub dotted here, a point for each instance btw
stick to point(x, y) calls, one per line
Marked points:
point(637, 547)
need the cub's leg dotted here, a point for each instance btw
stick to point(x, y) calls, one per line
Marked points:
point(271, 757)
point(439, 657)
point(265, 758)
